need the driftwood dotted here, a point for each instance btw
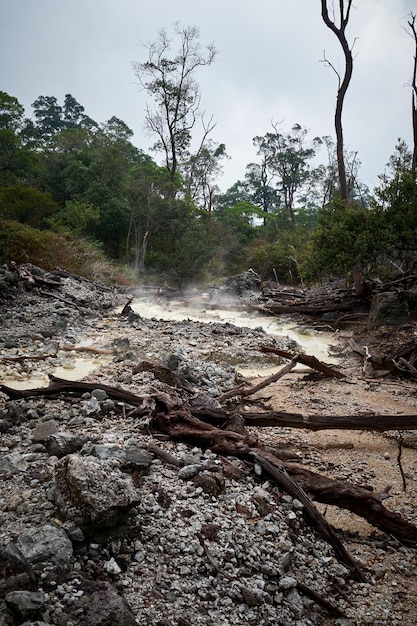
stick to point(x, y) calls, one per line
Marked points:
point(305, 359)
point(402, 363)
point(307, 309)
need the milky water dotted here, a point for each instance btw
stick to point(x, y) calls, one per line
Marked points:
point(76, 367)
point(313, 343)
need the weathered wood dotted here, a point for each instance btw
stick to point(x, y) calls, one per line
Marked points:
point(272, 467)
point(373, 423)
point(310, 309)
point(358, 499)
point(305, 359)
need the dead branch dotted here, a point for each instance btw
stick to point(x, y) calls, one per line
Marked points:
point(305, 359)
point(319, 521)
point(271, 379)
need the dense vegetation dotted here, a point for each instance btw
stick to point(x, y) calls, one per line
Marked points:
point(75, 192)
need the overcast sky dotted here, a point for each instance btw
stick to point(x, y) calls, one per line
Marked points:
point(268, 68)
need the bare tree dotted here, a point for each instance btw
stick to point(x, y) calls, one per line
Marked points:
point(170, 80)
point(413, 33)
point(340, 31)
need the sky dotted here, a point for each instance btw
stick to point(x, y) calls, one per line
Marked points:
point(269, 68)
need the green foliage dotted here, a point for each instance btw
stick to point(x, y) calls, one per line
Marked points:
point(279, 259)
point(347, 236)
point(26, 205)
point(23, 244)
point(397, 201)
point(80, 218)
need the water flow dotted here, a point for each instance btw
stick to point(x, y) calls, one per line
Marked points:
point(313, 343)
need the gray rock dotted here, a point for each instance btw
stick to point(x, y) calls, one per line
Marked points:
point(62, 443)
point(12, 463)
point(388, 309)
point(16, 571)
point(91, 493)
point(25, 604)
point(47, 543)
point(243, 283)
point(44, 430)
point(101, 606)
point(189, 471)
point(99, 394)
point(90, 407)
point(136, 458)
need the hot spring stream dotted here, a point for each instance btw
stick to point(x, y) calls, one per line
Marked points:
point(75, 364)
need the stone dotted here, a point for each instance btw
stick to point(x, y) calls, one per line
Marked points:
point(189, 471)
point(44, 430)
point(46, 543)
point(99, 394)
point(25, 604)
point(130, 457)
point(15, 570)
point(388, 309)
point(102, 606)
point(241, 284)
point(12, 463)
point(91, 493)
point(62, 443)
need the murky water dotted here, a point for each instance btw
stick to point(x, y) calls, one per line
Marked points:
point(313, 343)
point(76, 367)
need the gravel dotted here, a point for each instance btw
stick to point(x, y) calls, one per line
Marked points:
point(210, 541)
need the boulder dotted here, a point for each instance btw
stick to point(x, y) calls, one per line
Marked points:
point(46, 543)
point(244, 284)
point(91, 493)
point(388, 309)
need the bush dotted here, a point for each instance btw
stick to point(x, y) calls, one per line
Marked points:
point(23, 244)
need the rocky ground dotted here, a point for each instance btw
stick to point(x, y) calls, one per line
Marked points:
point(98, 528)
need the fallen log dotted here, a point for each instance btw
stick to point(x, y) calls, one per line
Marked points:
point(369, 422)
point(305, 359)
point(404, 367)
point(311, 309)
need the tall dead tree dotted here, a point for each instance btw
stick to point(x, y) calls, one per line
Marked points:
point(413, 33)
point(340, 32)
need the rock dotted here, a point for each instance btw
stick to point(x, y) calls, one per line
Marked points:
point(46, 543)
point(15, 570)
point(12, 463)
point(92, 494)
point(44, 430)
point(189, 471)
point(241, 284)
point(212, 484)
point(62, 443)
point(134, 458)
point(25, 604)
point(388, 309)
point(102, 606)
point(99, 394)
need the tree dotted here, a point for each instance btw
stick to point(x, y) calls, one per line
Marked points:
point(285, 159)
point(348, 238)
point(74, 116)
point(176, 94)
point(340, 32)
point(48, 115)
point(200, 173)
point(15, 160)
point(413, 33)
point(397, 199)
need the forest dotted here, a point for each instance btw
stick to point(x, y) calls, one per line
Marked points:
point(78, 193)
